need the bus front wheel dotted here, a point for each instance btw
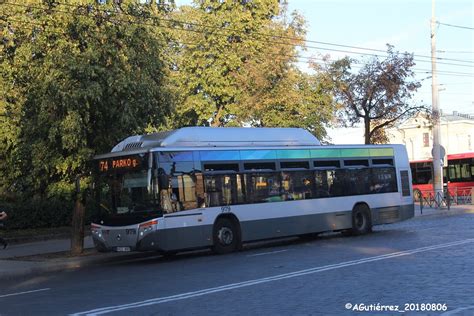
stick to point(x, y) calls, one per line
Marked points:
point(225, 236)
point(361, 220)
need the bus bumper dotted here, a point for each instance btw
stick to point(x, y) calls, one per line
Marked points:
point(393, 214)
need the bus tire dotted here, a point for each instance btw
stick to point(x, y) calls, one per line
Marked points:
point(361, 220)
point(417, 195)
point(309, 236)
point(225, 236)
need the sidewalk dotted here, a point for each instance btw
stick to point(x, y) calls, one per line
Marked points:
point(52, 255)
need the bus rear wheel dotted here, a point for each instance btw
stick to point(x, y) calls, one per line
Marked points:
point(225, 236)
point(361, 220)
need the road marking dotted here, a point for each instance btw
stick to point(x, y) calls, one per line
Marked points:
point(458, 311)
point(267, 253)
point(27, 292)
point(228, 287)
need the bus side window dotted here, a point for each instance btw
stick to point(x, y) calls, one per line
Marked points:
point(187, 191)
point(263, 187)
point(383, 180)
point(339, 185)
point(223, 189)
point(323, 182)
point(297, 185)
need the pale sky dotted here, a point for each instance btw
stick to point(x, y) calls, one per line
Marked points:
point(406, 25)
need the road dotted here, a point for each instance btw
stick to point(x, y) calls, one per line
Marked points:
point(426, 260)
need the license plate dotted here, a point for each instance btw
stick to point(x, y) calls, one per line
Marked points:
point(123, 249)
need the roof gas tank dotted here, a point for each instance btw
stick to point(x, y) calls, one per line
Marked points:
point(220, 137)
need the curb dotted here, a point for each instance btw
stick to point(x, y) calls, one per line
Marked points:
point(28, 239)
point(35, 268)
point(24, 266)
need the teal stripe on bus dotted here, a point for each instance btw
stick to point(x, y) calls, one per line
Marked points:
point(294, 154)
point(351, 152)
point(215, 155)
point(258, 154)
point(381, 152)
point(323, 153)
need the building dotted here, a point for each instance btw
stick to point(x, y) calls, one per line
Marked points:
point(456, 129)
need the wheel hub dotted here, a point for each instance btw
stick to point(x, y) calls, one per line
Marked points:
point(360, 220)
point(225, 236)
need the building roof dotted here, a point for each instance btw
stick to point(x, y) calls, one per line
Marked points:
point(456, 116)
point(421, 120)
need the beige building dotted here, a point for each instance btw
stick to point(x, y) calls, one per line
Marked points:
point(457, 135)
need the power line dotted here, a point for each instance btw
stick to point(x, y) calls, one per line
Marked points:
point(457, 26)
point(181, 26)
point(455, 83)
point(293, 38)
point(296, 58)
point(141, 23)
point(455, 51)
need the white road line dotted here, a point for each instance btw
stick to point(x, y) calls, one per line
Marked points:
point(267, 253)
point(160, 300)
point(27, 292)
point(458, 311)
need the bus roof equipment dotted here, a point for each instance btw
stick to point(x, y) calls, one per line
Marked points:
point(220, 137)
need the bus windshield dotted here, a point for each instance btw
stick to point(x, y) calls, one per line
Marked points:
point(128, 193)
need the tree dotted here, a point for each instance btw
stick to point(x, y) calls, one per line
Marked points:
point(216, 39)
point(379, 93)
point(275, 92)
point(236, 66)
point(76, 78)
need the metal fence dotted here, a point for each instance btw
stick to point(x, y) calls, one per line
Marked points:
point(453, 196)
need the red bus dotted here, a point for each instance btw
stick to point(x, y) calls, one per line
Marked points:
point(458, 175)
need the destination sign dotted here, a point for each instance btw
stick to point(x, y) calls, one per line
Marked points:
point(120, 163)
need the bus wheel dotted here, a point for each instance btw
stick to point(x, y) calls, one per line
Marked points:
point(225, 236)
point(361, 220)
point(417, 195)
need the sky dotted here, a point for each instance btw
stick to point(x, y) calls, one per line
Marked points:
point(406, 25)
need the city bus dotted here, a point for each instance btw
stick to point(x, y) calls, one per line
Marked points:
point(458, 175)
point(202, 187)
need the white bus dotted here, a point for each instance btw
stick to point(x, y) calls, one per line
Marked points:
point(201, 187)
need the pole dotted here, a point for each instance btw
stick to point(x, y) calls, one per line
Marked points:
point(437, 165)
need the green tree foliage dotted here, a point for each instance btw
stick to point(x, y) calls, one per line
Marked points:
point(76, 77)
point(219, 31)
point(379, 93)
point(237, 67)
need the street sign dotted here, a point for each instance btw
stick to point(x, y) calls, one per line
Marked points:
point(442, 154)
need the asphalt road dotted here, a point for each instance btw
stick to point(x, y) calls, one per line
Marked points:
point(421, 266)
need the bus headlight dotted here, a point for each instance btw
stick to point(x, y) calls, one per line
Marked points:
point(96, 230)
point(147, 227)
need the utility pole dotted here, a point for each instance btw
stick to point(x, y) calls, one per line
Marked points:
point(437, 164)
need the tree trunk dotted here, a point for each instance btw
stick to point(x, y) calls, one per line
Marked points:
point(367, 130)
point(77, 230)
